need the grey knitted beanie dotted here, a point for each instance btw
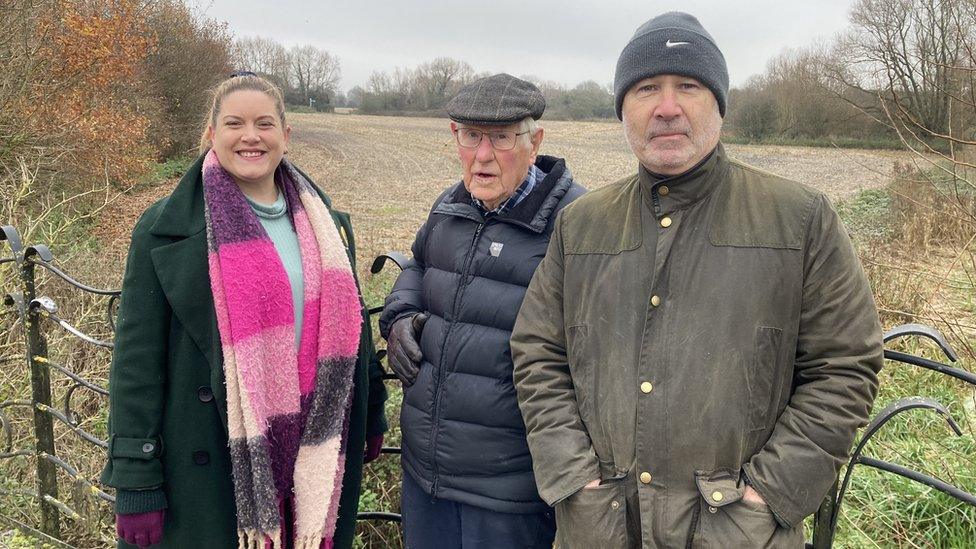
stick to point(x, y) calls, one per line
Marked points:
point(672, 43)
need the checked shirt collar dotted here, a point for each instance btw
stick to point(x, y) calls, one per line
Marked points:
point(534, 176)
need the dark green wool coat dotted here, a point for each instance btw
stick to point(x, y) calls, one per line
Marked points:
point(168, 405)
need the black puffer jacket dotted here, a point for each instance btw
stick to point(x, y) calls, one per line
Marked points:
point(463, 435)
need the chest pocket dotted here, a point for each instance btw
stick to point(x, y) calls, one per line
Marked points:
point(760, 212)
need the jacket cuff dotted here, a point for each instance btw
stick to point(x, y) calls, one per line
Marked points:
point(388, 320)
point(133, 463)
point(131, 502)
point(781, 510)
point(567, 485)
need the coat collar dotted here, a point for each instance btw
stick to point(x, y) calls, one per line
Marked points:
point(685, 189)
point(532, 213)
point(182, 215)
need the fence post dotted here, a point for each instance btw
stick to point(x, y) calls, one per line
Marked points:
point(47, 479)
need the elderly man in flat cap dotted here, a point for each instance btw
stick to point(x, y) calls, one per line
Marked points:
point(700, 344)
point(467, 472)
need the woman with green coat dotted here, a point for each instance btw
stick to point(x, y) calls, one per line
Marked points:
point(244, 382)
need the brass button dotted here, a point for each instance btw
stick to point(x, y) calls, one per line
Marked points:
point(645, 477)
point(614, 505)
point(717, 496)
point(665, 222)
point(655, 300)
point(646, 387)
point(663, 190)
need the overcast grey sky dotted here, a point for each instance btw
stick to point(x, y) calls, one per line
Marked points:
point(566, 41)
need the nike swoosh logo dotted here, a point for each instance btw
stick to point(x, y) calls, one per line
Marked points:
point(671, 44)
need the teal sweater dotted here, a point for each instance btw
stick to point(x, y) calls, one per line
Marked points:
point(276, 221)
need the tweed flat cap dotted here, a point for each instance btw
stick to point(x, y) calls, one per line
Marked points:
point(496, 101)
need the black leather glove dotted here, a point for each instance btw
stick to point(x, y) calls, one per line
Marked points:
point(403, 347)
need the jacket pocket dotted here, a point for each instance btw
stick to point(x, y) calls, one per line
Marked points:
point(726, 520)
point(593, 517)
point(764, 379)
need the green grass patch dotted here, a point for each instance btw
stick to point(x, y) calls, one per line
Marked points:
point(867, 214)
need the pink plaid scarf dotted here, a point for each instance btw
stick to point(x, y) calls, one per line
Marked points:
point(287, 409)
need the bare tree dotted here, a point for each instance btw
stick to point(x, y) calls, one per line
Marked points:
point(926, 85)
point(263, 56)
point(191, 48)
point(387, 92)
point(354, 97)
point(439, 79)
point(315, 73)
point(907, 51)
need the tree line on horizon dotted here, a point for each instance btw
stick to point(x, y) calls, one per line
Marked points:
point(306, 72)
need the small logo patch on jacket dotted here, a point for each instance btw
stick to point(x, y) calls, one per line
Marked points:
point(496, 248)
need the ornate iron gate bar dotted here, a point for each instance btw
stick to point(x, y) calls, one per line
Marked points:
point(32, 311)
point(826, 518)
point(379, 262)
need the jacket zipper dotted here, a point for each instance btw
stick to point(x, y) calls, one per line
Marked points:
point(432, 447)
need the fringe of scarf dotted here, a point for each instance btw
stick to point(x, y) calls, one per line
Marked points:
point(287, 409)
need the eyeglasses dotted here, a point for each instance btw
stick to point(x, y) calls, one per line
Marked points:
point(470, 138)
point(235, 74)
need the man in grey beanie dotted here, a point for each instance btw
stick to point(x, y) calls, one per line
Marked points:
point(700, 344)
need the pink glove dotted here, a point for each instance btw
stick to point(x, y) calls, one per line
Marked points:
point(142, 529)
point(374, 445)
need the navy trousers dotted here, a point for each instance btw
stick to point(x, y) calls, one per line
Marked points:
point(442, 524)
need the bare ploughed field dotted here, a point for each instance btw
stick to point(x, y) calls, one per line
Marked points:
point(386, 171)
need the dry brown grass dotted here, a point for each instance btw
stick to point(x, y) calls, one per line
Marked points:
point(926, 270)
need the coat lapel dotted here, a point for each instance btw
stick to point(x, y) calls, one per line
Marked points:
point(183, 273)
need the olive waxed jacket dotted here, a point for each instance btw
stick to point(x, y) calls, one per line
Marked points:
point(685, 336)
